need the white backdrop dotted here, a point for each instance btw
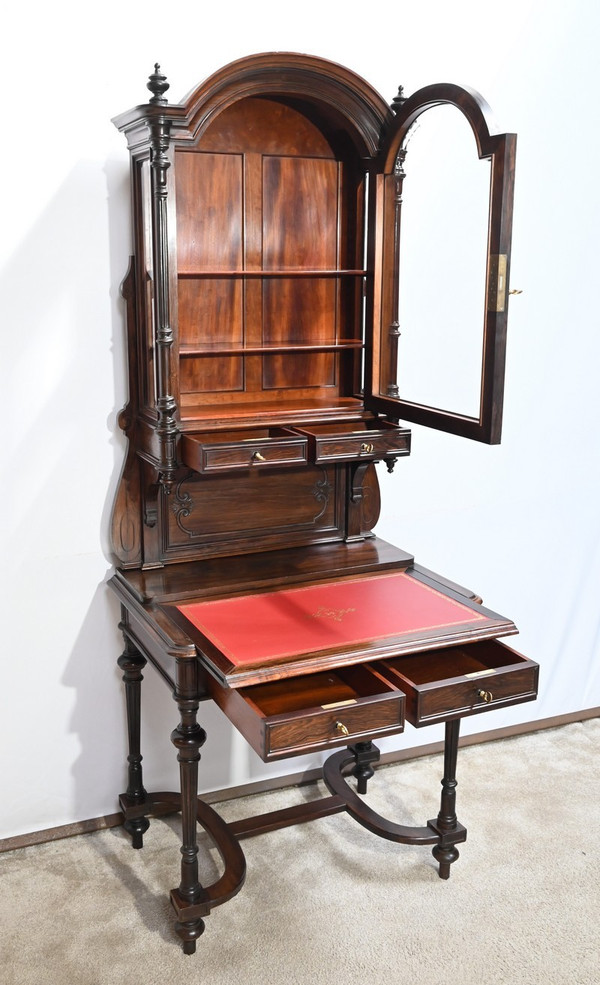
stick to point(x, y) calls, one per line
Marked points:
point(518, 523)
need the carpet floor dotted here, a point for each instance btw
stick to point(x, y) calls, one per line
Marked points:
point(327, 902)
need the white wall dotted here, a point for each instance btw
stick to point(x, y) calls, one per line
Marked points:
point(519, 523)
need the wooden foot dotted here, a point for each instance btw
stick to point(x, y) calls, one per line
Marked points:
point(189, 932)
point(445, 857)
point(137, 827)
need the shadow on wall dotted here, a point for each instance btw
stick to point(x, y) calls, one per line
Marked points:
point(56, 304)
point(98, 719)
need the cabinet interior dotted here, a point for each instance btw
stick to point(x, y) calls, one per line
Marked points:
point(270, 263)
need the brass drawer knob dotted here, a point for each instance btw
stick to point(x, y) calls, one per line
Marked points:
point(257, 457)
point(486, 696)
point(342, 728)
point(366, 447)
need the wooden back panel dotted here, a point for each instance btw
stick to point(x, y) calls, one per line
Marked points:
point(264, 205)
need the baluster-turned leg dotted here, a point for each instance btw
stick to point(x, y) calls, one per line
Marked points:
point(365, 753)
point(187, 738)
point(447, 822)
point(132, 663)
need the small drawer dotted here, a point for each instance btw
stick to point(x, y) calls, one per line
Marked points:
point(319, 711)
point(461, 680)
point(221, 451)
point(350, 441)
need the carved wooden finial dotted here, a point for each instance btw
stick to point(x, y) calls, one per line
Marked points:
point(398, 99)
point(158, 85)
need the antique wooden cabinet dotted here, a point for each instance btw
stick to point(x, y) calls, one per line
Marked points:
point(264, 301)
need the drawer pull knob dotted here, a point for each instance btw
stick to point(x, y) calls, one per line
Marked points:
point(258, 457)
point(366, 447)
point(487, 696)
point(342, 728)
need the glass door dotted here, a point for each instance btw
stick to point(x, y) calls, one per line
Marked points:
point(442, 204)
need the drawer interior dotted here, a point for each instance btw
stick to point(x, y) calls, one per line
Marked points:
point(462, 680)
point(474, 660)
point(348, 428)
point(323, 690)
point(291, 716)
point(241, 436)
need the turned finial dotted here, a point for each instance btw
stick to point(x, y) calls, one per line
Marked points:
point(398, 99)
point(158, 85)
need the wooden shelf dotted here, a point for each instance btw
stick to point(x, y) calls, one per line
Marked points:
point(186, 349)
point(258, 274)
point(276, 412)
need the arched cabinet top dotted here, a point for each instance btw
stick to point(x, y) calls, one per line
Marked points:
point(341, 99)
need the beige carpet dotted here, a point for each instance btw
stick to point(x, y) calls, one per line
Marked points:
point(328, 903)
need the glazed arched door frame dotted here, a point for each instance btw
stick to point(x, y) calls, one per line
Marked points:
point(386, 207)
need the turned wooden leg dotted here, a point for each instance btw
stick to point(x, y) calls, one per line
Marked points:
point(132, 663)
point(447, 822)
point(365, 754)
point(187, 738)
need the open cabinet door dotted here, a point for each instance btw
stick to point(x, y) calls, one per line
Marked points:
point(441, 213)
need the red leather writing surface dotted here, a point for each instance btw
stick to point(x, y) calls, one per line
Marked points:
point(262, 627)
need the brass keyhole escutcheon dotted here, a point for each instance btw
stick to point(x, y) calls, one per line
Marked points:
point(342, 728)
point(486, 696)
point(366, 447)
point(257, 457)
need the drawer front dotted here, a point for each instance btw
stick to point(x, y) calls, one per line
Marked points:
point(368, 445)
point(473, 696)
point(318, 711)
point(213, 457)
point(366, 719)
point(218, 458)
point(460, 681)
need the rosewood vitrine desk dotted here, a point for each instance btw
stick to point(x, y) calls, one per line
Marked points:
point(265, 374)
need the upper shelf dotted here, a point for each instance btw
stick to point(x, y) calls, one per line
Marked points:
point(207, 349)
point(292, 272)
